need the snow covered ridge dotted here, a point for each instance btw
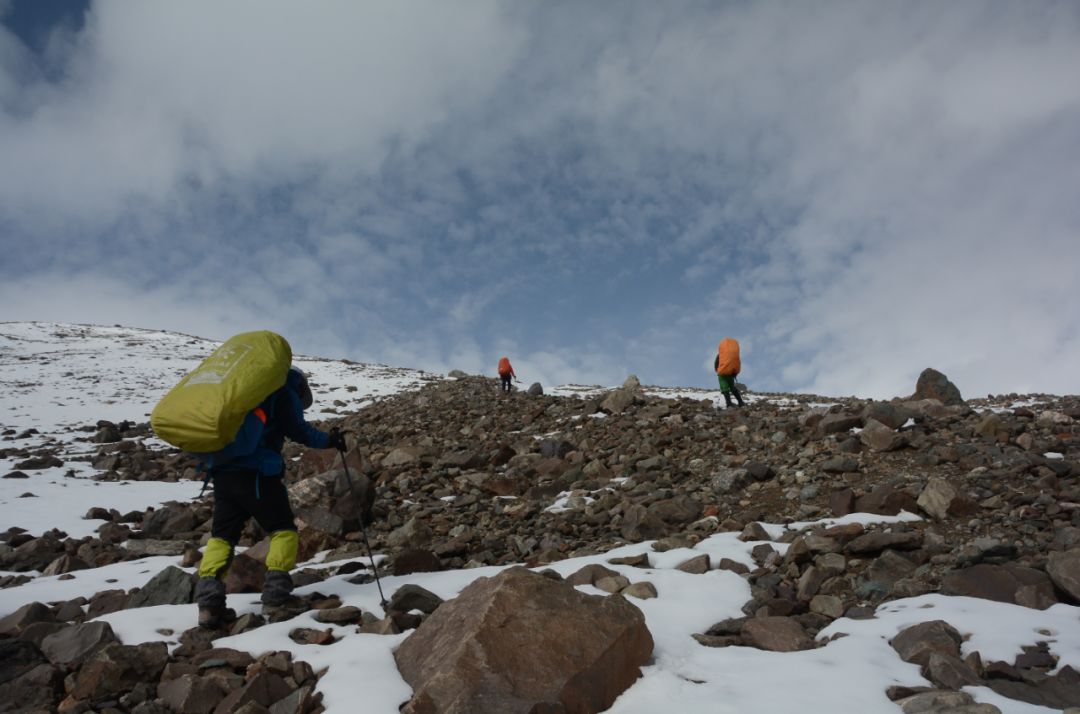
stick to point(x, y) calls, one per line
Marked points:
point(61, 376)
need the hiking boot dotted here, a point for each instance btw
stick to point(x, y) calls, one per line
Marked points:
point(215, 618)
point(210, 597)
point(277, 587)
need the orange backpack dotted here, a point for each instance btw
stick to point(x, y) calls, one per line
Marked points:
point(504, 367)
point(729, 364)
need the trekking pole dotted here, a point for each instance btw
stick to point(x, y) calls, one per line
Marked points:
point(363, 532)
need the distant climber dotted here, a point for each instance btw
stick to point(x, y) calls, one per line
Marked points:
point(506, 372)
point(252, 486)
point(728, 366)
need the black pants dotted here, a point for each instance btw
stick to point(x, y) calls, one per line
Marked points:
point(505, 382)
point(236, 500)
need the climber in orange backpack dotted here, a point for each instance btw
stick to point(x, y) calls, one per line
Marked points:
point(506, 371)
point(728, 366)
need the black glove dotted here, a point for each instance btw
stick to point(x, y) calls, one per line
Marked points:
point(337, 440)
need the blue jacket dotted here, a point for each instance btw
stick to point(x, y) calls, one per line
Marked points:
point(284, 418)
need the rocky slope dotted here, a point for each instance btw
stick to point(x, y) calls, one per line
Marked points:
point(456, 475)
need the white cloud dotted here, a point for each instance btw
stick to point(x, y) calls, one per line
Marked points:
point(856, 191)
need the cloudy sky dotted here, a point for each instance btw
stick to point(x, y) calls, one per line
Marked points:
point(855, 190)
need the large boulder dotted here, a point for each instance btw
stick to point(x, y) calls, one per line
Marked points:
point(521, 642)
point(1004, 583)
point(935, 385)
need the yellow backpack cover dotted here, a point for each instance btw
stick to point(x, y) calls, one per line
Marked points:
point(204, 412)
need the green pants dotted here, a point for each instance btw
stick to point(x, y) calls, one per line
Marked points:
point(727, 384)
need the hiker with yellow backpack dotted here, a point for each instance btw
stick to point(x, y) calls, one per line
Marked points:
point(234, 411)
point(728, 365)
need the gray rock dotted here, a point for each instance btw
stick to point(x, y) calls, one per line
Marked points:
point(16, 622)
point(827, 605)
point(536, 389)
point(74, 644)
point(936, 497)
point(935, 385)
point(840, 464)
point(413, 597)
point(172, 586)
point(949, 671)
point(838, 423)
point(414, 534)
point(888, 414)
point(1064, 571)
point(150, 546)
point(726, 481)
point(642, 590)
point(339, 615)
point(877, 541)
point(403, 456)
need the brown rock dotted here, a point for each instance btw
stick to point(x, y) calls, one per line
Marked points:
point(697, 565)
point(16, 622)
point(521, 642)
point(1064, 571)
point(948, 671)
point(246, 574)
point(842, 502)
point(416, 560)
point(886, 500)
point(879, 437)
point(775, 634)
point(190, 694)
point(117, 668)
point(1003, 583)
point(918, 642)
point(877, 541)
point(263, 690)
point(944, 702)
point(641, 524)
